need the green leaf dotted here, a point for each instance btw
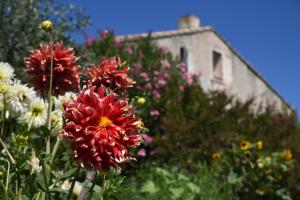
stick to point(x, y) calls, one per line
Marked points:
point(149, 187)
point(232, 178)
point(177, 192)
point(97, 193)
point(68, 174)
point(193, 187)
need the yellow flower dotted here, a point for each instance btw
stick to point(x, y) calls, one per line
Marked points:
point(260, 144)
point(47, 26)
point(288, 154)
point(245, 145)
point(141, 101)
point(216, 155)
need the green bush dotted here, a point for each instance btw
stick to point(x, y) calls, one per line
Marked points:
point(167, 183)
point(192, 124)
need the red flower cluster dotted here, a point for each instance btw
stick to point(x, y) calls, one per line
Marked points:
point(102, 129)
point(110, 73)
point(65, 70)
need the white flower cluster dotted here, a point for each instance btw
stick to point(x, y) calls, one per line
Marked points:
point(20, 102)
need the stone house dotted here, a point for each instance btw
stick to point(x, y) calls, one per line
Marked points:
point(204, 50)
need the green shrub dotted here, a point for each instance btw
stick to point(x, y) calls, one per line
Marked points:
point(167, 183)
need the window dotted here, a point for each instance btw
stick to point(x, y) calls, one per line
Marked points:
point(184, 56)
point(217, 66)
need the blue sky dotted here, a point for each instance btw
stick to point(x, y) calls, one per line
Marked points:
point(265, 32)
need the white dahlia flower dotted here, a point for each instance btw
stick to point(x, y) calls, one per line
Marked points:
point(19, 98)
point(6, 72)
point(36, 115)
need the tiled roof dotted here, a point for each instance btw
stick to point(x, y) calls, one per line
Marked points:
point(162, 34)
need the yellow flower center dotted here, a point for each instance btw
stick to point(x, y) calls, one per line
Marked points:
point(104, 122)
point(37, 109)
point(3, 88)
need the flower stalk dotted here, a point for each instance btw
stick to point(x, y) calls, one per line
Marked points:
point(10, 157)
point(44, 172)
point(73, 183)
point(48, 141)
point(90, 176)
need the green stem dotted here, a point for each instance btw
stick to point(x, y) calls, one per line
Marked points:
point(7, 176)
point(5, 192)
point(10, 157)
point(55, 149)
point(73, 183)
point(48, 143)
point(3, 117)
point(43, 171)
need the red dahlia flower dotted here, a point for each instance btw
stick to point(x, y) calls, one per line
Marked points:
point(65, 70)
point(110, 73)
point(102, 129)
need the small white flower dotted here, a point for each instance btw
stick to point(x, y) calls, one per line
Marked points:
point(36, 115)
point(56, 121)
point(6, 72)
point(67, 97)
point(34, 163)
point(67, 185)
point(19, 98)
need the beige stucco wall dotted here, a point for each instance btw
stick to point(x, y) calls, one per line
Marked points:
point(238, 79)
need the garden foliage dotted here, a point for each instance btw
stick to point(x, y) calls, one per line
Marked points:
point(189, 125)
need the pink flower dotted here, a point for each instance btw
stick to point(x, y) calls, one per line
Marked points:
point(181, 88)
point(161, 82)
point(165, 64)
point(89, 41)
point(149, 86)
point(138, 65)
point(154, 113)
point(141, 152)
point(104, 33)
point(147, 138)
point(145, 76)
point(128, 49)
point(155, 94)
point(165, 49)
point(182, 68)
point(156, 73)
point(117, 43)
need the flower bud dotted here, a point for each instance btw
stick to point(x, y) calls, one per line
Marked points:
point(47, 26)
